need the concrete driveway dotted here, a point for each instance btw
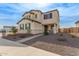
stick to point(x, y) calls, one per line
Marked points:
point(10, 48)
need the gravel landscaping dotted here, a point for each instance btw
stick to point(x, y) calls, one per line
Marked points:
point(52, 43)
point(17, 37)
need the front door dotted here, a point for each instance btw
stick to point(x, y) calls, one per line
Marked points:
point(46, 28)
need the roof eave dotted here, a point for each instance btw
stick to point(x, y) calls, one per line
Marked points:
point(30, 20)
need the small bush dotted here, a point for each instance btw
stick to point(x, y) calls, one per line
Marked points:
point(45, 33)
point(14, 30)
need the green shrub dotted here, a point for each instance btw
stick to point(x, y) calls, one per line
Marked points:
point(14, 30)
point(45, 33)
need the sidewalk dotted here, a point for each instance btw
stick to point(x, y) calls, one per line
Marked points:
point(10, 48)
point(26, 39)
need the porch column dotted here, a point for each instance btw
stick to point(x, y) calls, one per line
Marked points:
point(49, 28)
point(55, 29)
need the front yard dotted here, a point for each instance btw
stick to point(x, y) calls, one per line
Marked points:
point(52, 43)
point(17, 37)
point(69, 47)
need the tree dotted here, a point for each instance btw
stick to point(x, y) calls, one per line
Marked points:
point(14, 30)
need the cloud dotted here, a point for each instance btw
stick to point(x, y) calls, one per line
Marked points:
point(68, 11)
point(10, 13)
point(35, 5)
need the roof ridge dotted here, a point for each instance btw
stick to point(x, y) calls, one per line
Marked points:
point(38, 11)
point(77, 22)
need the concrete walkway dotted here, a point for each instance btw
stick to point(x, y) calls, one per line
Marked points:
point(10, 48)
point(26, 39)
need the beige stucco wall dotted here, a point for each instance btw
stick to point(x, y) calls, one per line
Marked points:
point(77, 25)
point(32, 16)
point(39, 28)
point(35, 27)
point(55, 18)
point(23, 22)
point(39, 16)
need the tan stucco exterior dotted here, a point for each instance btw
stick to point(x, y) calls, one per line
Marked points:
point(23, 22)
point(35, 27)
point(77, 24)
point(37, 21)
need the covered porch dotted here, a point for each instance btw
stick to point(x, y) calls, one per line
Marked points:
point(50, 28)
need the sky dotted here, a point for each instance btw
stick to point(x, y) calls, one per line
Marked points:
point(11, 13)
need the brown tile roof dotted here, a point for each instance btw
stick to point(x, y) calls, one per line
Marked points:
point(39, 11)
point(52, 10)
point(32, 12)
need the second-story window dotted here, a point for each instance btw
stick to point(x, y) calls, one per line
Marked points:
point(28, 16)
point(35, 15)
point(45, 16)
point(48, 16)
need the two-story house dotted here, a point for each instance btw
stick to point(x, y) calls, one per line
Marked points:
point(36, 21)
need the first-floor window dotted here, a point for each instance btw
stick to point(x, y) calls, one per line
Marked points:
point(27, 26)
point(22, 26)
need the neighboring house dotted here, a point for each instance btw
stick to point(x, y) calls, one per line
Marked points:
point(35, 22)
point(6, 29)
